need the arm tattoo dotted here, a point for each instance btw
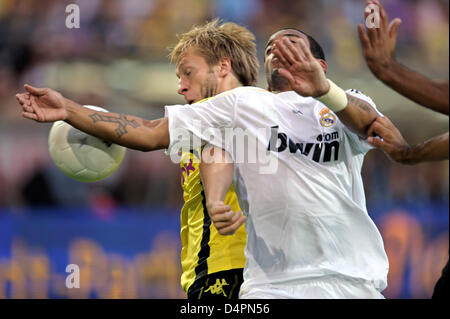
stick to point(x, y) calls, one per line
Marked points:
point(363, 105)
point(121, 120)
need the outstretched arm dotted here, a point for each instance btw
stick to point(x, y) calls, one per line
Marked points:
point(46, 105)
point(379, 51)
point(307, 77)
point(395, 146)
point(358, 115)
point(216, 172)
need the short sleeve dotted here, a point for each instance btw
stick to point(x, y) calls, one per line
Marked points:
point(359, 143)
point(191, 126)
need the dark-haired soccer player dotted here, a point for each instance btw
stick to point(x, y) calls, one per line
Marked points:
point(309, 233)
point(379, 50)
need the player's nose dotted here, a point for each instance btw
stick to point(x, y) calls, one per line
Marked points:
point(182, 87)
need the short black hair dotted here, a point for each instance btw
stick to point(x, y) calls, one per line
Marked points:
point(316, 49)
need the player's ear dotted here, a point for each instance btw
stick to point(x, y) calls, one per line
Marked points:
point(224, 66)
point(324, 65)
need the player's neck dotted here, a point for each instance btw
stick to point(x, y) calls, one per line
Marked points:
point(228, 83)
point(280, 89)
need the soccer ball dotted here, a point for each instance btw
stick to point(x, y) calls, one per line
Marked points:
point(81, 156)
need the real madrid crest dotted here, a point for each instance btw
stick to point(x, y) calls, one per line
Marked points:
point(327, 118)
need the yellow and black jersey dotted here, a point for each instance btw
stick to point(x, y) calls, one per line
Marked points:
point(204, 251)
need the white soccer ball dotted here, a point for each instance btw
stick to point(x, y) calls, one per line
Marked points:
point(81, 156)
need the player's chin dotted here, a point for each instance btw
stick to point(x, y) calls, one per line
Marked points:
point(277, 81)
point(191, 99)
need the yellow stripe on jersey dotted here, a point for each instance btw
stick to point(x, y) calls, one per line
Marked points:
point(204, 250)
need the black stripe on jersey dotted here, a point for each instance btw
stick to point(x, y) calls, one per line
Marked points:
point(204, 253)
point(196, 153)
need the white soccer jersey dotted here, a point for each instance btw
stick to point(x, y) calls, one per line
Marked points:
point(303, 195)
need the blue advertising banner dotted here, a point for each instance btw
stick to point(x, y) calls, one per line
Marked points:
point(130, 254)
point(135, 253)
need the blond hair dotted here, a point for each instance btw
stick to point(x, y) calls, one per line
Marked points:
point(214, 41)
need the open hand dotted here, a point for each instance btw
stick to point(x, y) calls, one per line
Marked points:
point(379, 43)
point(42, 104)
point(303, 71)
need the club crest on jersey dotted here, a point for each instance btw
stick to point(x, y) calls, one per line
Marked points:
point(327, 118)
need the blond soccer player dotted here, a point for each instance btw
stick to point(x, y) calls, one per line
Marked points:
point(210, 59)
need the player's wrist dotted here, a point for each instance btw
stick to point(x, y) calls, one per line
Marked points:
point(70, 109)
point(414, 154)
point(209, 205)
point(324, 89)
point(335, 99)
point(406, 155)
point(383, 70)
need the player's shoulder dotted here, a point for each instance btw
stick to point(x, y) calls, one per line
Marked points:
point(251, 89)
point(246, 91)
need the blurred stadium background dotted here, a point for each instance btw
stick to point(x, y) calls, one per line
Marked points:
point(123, 232)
